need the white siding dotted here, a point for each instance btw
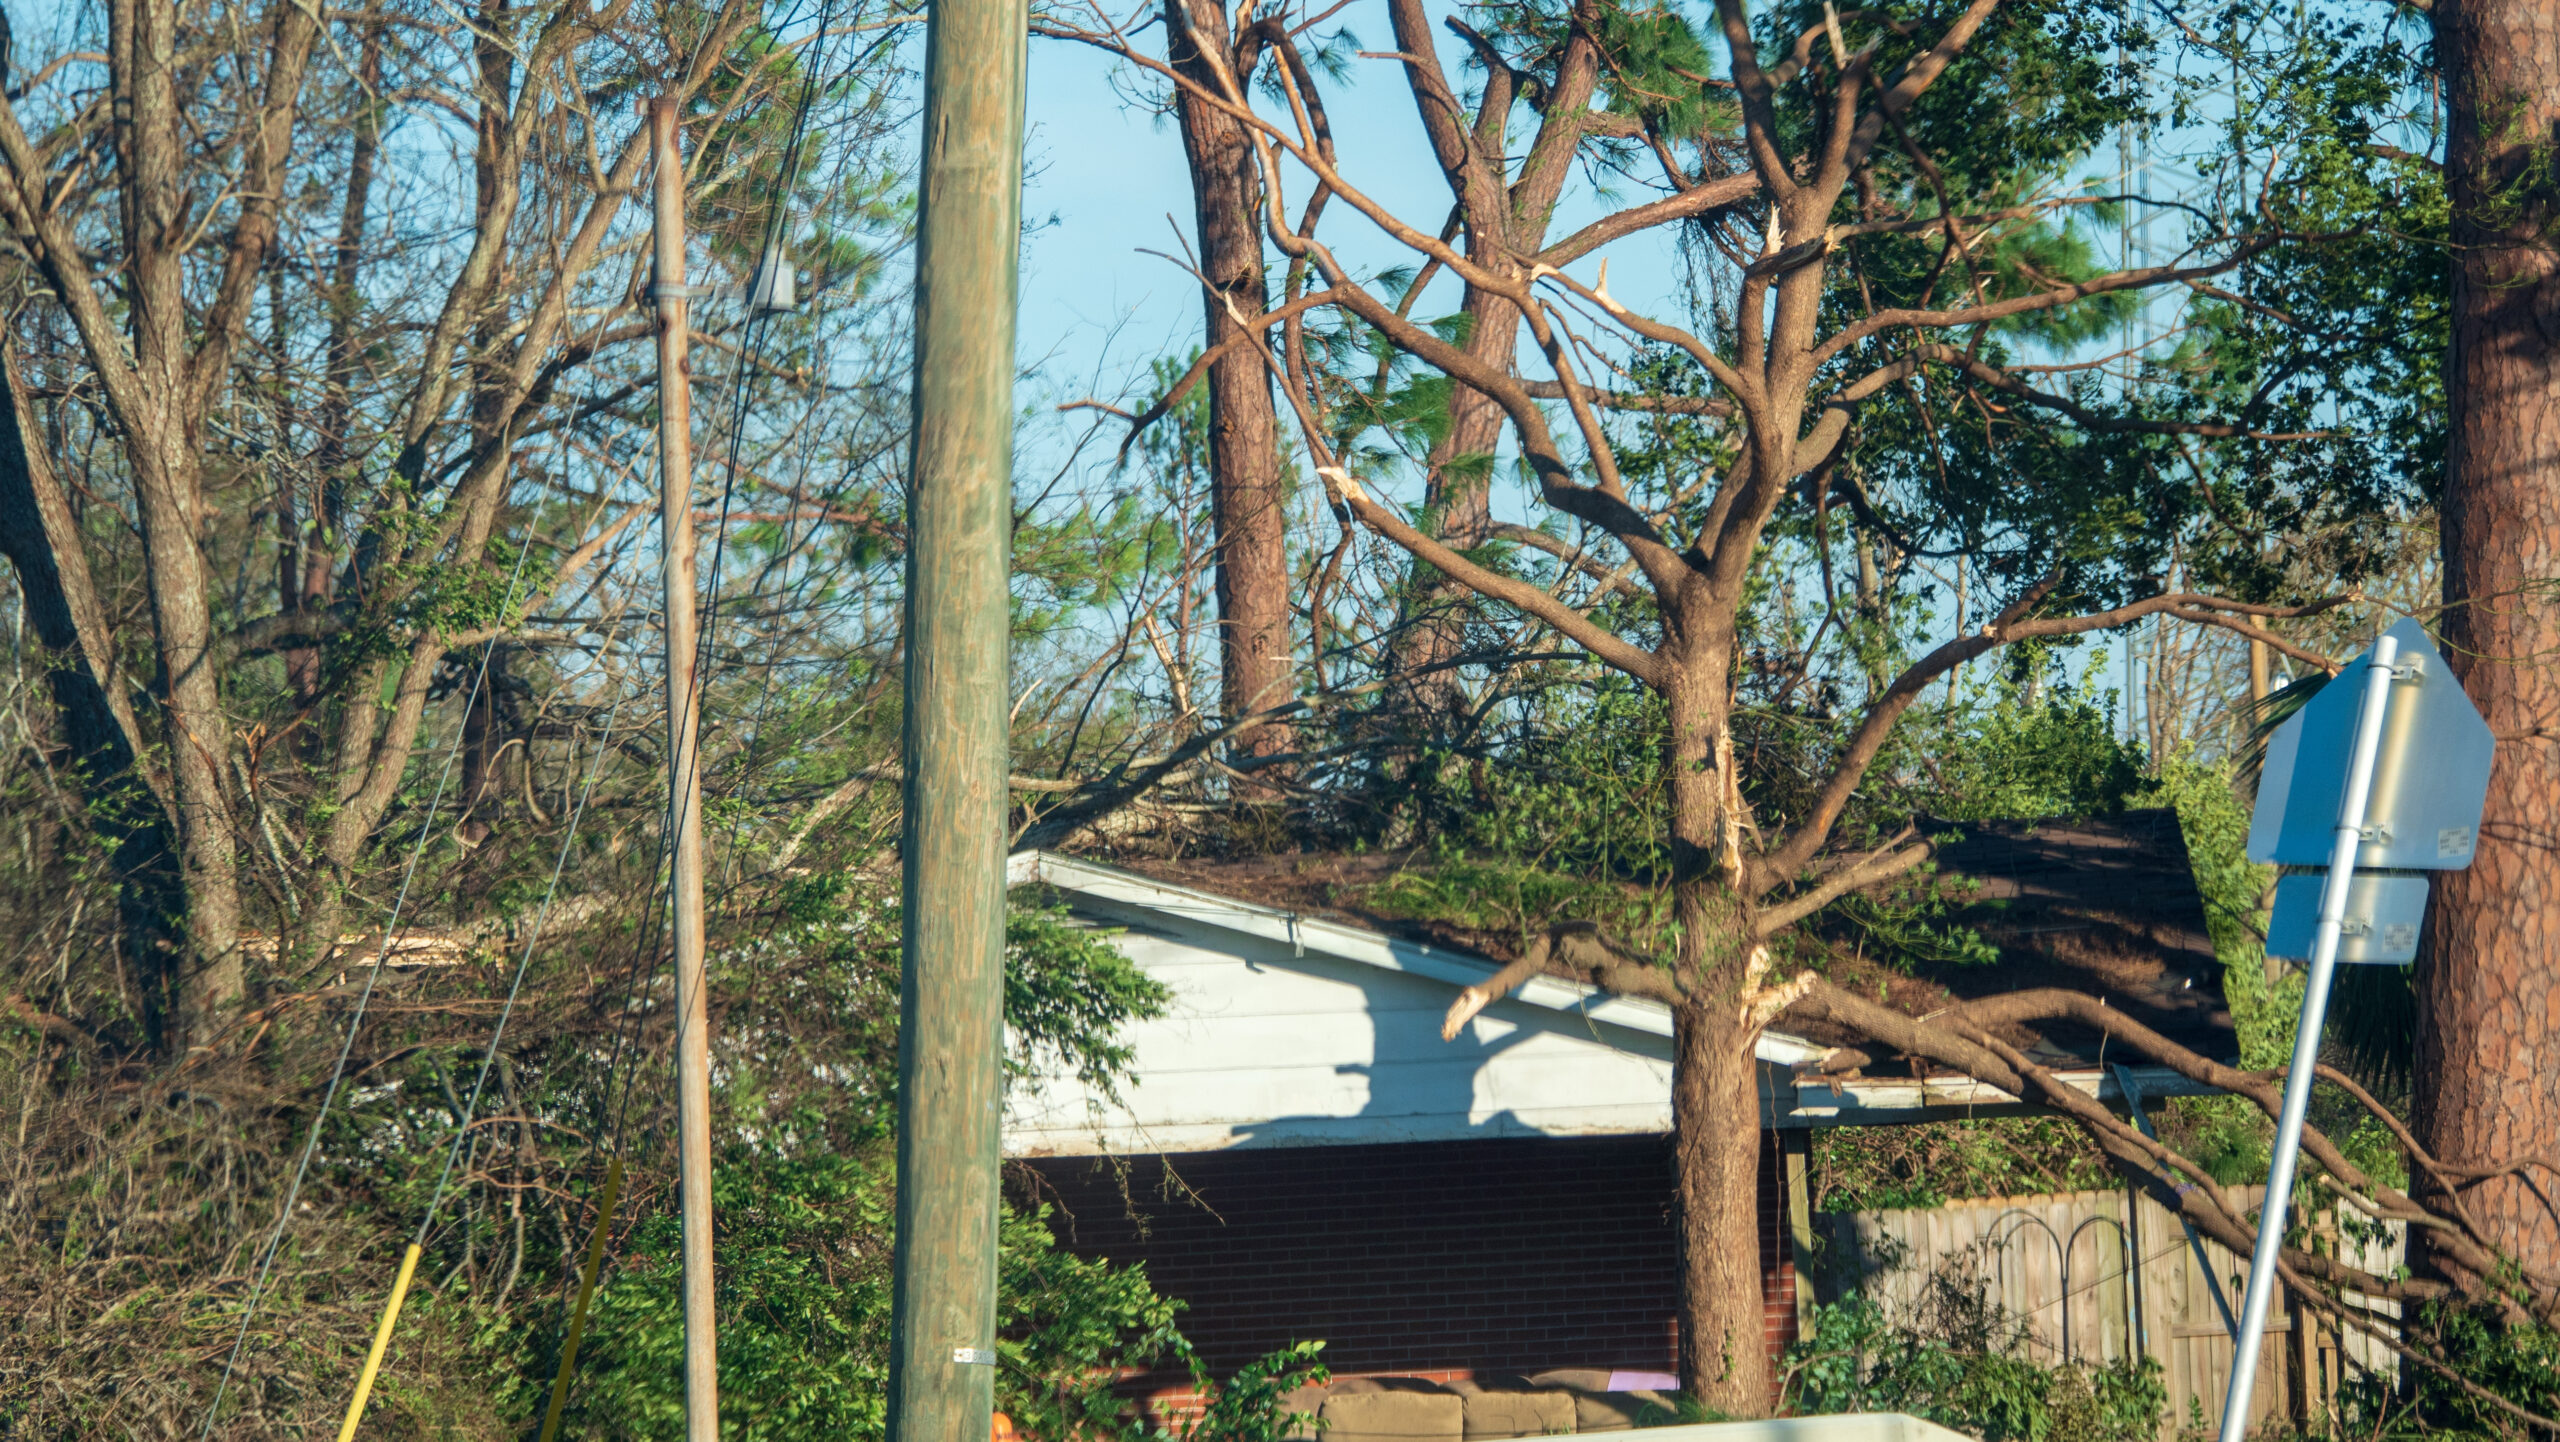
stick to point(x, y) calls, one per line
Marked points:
point(1263, 1046)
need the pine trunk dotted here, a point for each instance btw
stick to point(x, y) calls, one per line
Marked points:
point(1715, 1111)
point(1249, 495)
point(1461, 500)
point(1715, 1108)
point(1458, 501)
point(2487, 1026)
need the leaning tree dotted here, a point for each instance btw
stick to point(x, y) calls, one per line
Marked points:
point(1879, 199)
point(2484, 1094)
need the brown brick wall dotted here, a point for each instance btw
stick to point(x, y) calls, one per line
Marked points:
point(1424, 1258)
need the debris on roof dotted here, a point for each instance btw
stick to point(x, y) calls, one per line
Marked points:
point(2104, 905)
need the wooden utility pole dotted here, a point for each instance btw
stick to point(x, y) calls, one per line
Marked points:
point(960, 511)
point(684, 782)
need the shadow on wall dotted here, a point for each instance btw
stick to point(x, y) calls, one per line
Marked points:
point(1420, 1087)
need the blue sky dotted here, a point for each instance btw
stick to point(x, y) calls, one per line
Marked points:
point(1106, 172)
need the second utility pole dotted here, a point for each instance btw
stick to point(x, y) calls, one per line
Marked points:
point(684, 781)
point(959, 514)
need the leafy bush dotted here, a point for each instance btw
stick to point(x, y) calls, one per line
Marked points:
point(805, 1206)
point(1067, 992)
point(1252, 1405)
point(2500, 1357)
point(804, 1300)
point(1961, 1361)
point(1070, 1328)
point(2022, 757)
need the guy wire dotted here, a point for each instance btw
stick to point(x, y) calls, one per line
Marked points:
point(471, 1110)
point(355, 1022)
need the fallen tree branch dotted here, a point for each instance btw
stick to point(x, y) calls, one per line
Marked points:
point(1961, 1040)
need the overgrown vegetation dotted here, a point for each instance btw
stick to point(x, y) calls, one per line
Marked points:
point(111, 1280)
point(1867, 1169)
point(1956, 1358)
point(333, 640)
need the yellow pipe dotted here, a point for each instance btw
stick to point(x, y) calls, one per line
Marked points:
point(381, 1342)
point(586, 1293)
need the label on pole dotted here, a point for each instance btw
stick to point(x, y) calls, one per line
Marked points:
point(2382, 918)
point(2430, 779)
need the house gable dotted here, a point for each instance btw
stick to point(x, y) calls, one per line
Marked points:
point(1284, 1041)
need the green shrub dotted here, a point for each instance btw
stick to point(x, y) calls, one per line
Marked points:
point(1960, 1361)
point(2499, 1357)
point(1252, 1405)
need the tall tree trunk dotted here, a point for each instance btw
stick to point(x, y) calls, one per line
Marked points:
point(199, 734)
point(2487, 1032)
point(1460, 491)
point(1458, 505)
point(1715, 1107)
point(42, 541)
point(165, 450)
point(1500, 230)
point(1715, 1126)
point(1249, 493)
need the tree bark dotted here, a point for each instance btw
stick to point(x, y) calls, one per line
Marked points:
point(199, 735)
point(2486, 1089)
point(1715, 1124)
point(1249, 493)
point(164, 448)
point(42, 541)
point(1501, 228)
point(484, 740)
point(1715, 1107)
point(1459, 494)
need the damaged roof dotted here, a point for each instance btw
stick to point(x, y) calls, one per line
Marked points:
point(2103, 905)
point(2107, 906)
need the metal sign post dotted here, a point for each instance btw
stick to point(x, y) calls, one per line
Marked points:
point(2306, 1040)
point(2415, 774)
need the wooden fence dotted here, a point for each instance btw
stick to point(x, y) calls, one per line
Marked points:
point(2100, 1276)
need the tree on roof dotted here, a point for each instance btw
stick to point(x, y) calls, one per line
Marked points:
point(1880, 206)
